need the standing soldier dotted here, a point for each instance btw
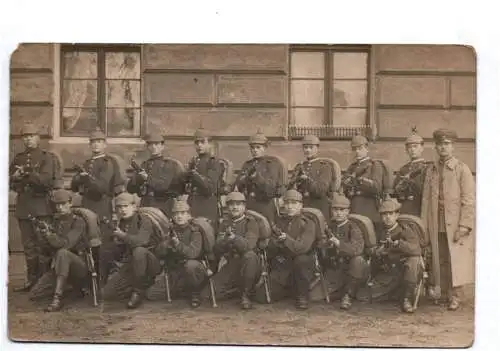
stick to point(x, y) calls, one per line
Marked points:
point(291, 253)
point(67, 242)
point(362, 182)
point(137, 237)
point(202, 181)
point(315, 178)
point(262, 179)
point(237, 241)
point(156, 180)
point(448, 202)
point(409, 182)
point(32, 178)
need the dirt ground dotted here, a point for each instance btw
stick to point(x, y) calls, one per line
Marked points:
point(277, 324)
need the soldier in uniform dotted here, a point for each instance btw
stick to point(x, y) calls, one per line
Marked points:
point(136, 237)
point(203, 179)
point(182, 251)
point(66, 243)
point(237, 242)
point(363, 182)
point(261, 179)
point(157, 181)
point(344, 250)
point(409, 182)
point(290, 252)
point(32, 177)
point(448, 210)
point(399, 253)
point(313, 178)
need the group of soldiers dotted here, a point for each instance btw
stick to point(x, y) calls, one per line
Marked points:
point(263, 237)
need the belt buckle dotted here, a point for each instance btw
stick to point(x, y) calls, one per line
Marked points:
point(358, 193)
point(252, 194)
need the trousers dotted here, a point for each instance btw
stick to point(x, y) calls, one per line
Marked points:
point(36, 262)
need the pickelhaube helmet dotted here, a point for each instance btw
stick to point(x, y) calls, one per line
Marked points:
point(258, 139)
point(293, 195)
point(154, 137)
point(97, 134)
point(201, 133)
point(180, 206)
point(414, 138)
point(358, 140)
point(235, 196)
point(340, 201)
point(124, 199)
point(310, 140)
point(60, 196)
point(389, 205)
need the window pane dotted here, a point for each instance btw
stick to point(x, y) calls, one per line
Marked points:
point(349, 117)
point(308, 93)
point(80, 93)
point(80, 64)
point(123, 122)
point(308, 64)
point(350, 65)
point(349, 93)
point(307, 116)
point(123, 93)
point(78, 121)
point(123, 65)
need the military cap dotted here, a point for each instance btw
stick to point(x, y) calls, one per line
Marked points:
point(235, 196)
point(29, 129)
point(310, 140)
point(124, 199)
point(292, 195)
point(389, 205)
point(60, 196)
point(154, 137)
point(180, 206)
point(340, 201)
point(358, 140)
point(258, 139)
point(442, 135)
point(201, 134)
point(414, 138)
point(97, 135)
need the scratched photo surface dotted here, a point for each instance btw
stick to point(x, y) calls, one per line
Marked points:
point(313, 195)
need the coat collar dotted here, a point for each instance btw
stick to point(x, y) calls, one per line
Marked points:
point(451, 163)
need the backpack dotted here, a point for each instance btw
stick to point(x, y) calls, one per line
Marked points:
point(208, 235)
point(283, 173)
point(120, 172)
point(58, 168)
point(227, 176)
point(417, 225)
point(366, 225)
point(388, 178)
point(160, 221)
point(93, 230)
point(319, 220)
point(336, 174)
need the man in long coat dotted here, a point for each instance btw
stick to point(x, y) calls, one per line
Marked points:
point(448, 209)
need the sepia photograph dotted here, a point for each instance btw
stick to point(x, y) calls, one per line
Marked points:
point(242, 194)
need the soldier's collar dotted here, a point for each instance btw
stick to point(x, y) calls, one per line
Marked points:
point(450, 162)
point(417, 160)
point(393, 228)
point(310, 159)
point(364, 159)
point(154, 157)
point(98, 156)
point(239, 219)
point(342, 224)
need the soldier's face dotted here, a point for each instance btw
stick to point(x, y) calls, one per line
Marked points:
point(155, 148)
point(202, 146)
point(389, 218)
point(126, 211)
point(97, 146)
point(360, 151)
point(181, 217)
point(31, 141)
point(340, 214)
point(310, 150)
point(236, 208)
point(257, 150)
point(414, 150)
point(444, 149)
point(63, 208)
point(292, 207)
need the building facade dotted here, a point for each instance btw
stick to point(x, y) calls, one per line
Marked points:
point(233, 91)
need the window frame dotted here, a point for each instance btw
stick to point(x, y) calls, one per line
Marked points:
point(332, 132)
point(101, 50)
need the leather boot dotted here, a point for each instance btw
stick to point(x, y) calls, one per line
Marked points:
point(407, 306)
point(246, 304)
point(26, 287)
point(56, 303)
point(135, 300)
point(346, 302)
point(195, 300)
point(301, 303)
point(409, 296)
point(454, 303)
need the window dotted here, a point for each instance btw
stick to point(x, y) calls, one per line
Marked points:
point(101, 87)
point(328, 91)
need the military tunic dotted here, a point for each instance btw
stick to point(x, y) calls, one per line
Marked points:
point(140, 265)
point(161, 187)
point(261, 180)
point(408, 186)
point(316, 189)
point(66, 245)
point(242, 270)
point(32, 199)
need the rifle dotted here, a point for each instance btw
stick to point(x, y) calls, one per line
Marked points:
point(89, 257)
point(210, 273)
point(247, 173)
point(265, 274)
point(80, 169)
point(404, 181)
point(41, 227)
point(171, 235)
point(296, 181)
point(193, 165)
point(320, 276)
point(143, 189)
point(113, 225)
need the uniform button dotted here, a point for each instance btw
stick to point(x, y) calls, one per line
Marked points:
point(358, 192)
point(252, 194)
point(410, 198)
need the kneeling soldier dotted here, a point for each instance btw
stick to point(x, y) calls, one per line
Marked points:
point(182, 251)
point(344, 249)
point(400, 249)
point(66, 241)
point(136, 236)
point(237, 241)
point(291, 250)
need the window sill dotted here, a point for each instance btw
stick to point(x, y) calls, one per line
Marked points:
point(85, 140)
